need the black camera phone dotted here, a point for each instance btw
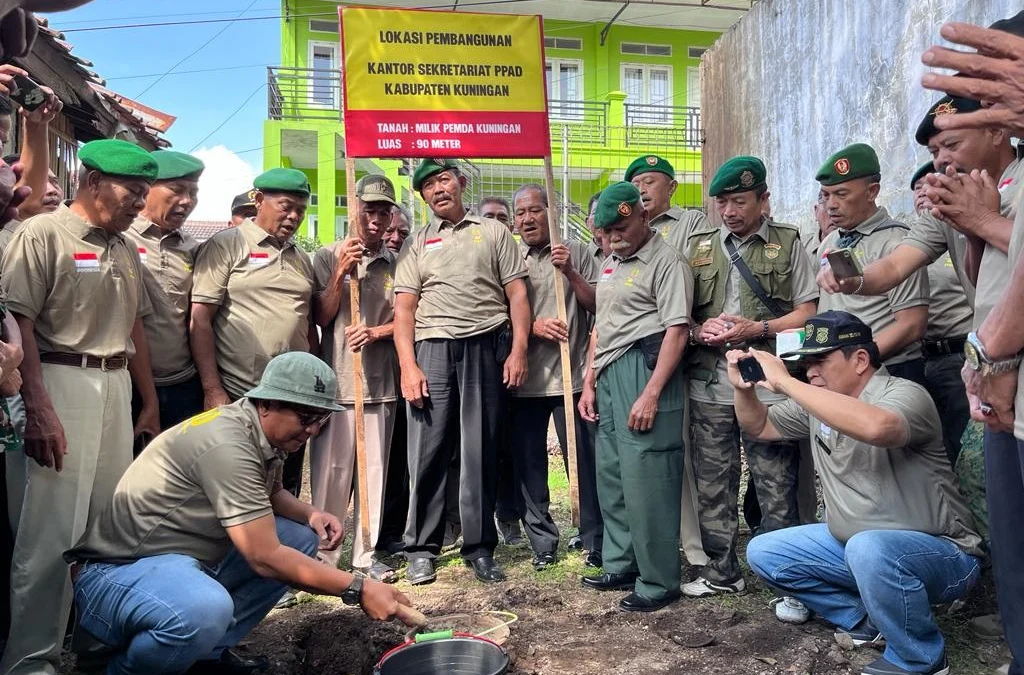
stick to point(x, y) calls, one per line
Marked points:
point(750, 369)
point(27, 93)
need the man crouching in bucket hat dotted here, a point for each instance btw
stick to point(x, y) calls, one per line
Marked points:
point(201, 540)
point(899, 536)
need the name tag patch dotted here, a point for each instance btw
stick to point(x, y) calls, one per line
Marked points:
point(700, 262)
point(86, 262)
point(257, 259)
point(433, 244)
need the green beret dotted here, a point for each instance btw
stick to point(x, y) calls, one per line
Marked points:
point(617, 201)
point(649, 163)
point(921, 172)
point(947, 105)
point(853, 161)
point(282, 180)
point(118, 158)
point(739, 174)
point(171, 165)
point(430, 167)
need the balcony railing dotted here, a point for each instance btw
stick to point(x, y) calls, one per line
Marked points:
point(303, 94)
point(663, 124)
point(586, 121)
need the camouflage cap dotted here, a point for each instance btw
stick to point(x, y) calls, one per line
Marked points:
point(300, 378)
point(376, 188)
point(853, 161)
point(617, 201)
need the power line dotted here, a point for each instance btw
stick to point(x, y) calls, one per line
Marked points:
point(228, 118)
point(187, 72)
point(193, 52)
point(82, 22)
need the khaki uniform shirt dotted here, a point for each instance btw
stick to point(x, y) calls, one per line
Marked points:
point(933, 237)
point(877, 311)
point(81, 285)
point(7, 233)
point(196, 479)
point(644, 294)
point(595, 252)
point(1016, 252)
point(676, 224)
point(263, 290)
point(544, 377)
point(995, 265)
point(376, 308)
point(949, 313)
point(167, 261)
point(459, 271)
point(805, 289)
point(866, 487)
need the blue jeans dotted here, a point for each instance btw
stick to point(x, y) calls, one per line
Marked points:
point(891, 576)
point(165, 612)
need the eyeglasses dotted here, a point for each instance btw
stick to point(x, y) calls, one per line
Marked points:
point(310, 418)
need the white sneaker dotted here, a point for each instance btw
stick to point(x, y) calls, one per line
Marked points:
point(790, 610)
point(701, 587)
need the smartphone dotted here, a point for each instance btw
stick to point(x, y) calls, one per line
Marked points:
point(27, 93)
point(845, 264)
point(750, 369)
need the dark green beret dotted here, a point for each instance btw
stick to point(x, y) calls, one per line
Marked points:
point(921, 172)
point(118, 158)
point(853, 161)
point(171, 165)
point(739, 174)
point(282, 180)
point(649, 163)
point(947, 105)
point(617, 201)
point(430, 167)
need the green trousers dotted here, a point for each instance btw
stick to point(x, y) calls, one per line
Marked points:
point(640, 478)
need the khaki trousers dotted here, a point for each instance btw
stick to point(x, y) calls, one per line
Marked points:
point(94, 407)
point(332, 473)
point(689, 515)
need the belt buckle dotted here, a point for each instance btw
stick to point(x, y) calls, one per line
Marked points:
point(103, 364)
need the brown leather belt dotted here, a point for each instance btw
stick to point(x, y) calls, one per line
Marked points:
point(85, 361)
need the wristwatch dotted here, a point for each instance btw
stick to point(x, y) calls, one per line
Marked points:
point(977, 359)
point(354, 593)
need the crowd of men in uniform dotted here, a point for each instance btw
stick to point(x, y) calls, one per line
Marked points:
point(161, 394)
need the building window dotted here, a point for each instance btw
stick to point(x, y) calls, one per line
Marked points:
point(693, 87)
point(649, 87)
point(325, 81)
point(321, 26)
point(565, 89)
point(645, 49)
point(696, 52)
point(573, 44)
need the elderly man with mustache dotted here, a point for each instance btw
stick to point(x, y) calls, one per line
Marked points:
point(251, 297)
point(457, 346)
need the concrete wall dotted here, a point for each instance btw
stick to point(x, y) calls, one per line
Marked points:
point(796, 80)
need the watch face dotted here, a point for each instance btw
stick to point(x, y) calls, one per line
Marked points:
point(972, 357)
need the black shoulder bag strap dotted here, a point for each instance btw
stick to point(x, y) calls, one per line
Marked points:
point(741, 266)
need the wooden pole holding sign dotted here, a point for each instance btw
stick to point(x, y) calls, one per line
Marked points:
point(567, 393)
point(357, 359)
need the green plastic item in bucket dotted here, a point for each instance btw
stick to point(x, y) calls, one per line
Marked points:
point(437, 654)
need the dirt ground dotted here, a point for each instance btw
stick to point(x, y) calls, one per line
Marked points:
point(563, 629)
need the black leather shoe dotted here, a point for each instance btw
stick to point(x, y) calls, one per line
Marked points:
point(638, 603)
point(609, 581)
point(593, 559)
point(230, 663)
point(576, 543)
point(420, 571)
point(486, 570)
point(542, 561)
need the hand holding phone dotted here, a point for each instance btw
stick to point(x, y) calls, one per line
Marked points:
point(27, 93)
point(750, 369)
point(845, 264)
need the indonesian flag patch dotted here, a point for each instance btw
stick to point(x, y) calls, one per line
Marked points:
point(258, 259)
point(607, 274)
point(142, 254)
point(86, 262)
point(433, 244)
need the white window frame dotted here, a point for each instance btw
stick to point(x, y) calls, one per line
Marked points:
point(692, 85)
point(567, 116)
point(335, 85)
point(645, 94)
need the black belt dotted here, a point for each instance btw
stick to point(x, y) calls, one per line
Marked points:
point(953, 345)
point(85, 361)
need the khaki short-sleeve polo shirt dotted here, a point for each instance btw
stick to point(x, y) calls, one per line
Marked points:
point(866, 487)
point(459, 271)
point(644, 294)
point(79, 284)
point(376, 276)
point(676, 225)
point(545, 356)
point(263, 291)
point(949, 312)
point(878, 311)
point(167, 263)
point(995, 265)
point(211, 472)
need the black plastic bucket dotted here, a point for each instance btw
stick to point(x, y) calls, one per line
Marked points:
point(448, 654)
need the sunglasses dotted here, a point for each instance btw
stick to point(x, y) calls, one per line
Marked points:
point(310, 418)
